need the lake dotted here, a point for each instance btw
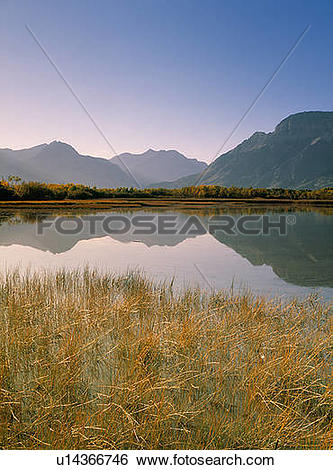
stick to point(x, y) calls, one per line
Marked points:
point(212, 248)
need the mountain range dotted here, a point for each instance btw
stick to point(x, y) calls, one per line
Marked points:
point(59, 162)
point(297, 154)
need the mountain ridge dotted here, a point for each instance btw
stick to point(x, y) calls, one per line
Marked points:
point(297, 154)
point(151, 166)
point(59, 162)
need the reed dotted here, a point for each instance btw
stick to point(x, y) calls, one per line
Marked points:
point(96, 361)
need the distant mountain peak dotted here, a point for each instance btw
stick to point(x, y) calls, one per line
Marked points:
point(163, 152)
point(59, 143)
point(59, 162)
point(297, 154)
point(310, 121)
point(153, 166)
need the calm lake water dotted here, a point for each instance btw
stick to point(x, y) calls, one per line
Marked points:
point(295, 264)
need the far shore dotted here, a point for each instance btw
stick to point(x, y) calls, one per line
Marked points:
point(160, 202)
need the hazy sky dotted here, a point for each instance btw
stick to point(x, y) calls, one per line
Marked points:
point(159, 73)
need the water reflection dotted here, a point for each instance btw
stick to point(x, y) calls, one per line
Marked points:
point(294, 264)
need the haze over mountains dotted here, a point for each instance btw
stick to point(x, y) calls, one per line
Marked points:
point(297, 154)
point(154, 166)
point(58, 162)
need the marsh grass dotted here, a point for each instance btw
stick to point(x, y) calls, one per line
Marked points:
point(94, 361)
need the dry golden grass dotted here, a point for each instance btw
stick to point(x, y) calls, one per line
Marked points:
point(92, 361)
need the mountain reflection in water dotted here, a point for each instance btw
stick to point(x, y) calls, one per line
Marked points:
point(294, 264)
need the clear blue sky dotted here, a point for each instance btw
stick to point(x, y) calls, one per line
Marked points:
point(159, 73)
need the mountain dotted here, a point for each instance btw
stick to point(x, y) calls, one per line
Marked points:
point(58, 162)
point(190, 180)
point(153, 166)
point(298, 154)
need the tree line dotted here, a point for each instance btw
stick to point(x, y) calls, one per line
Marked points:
point(13, 188)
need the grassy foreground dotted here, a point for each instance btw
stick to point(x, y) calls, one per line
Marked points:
point(96, 361)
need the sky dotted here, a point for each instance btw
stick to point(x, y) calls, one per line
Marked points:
point(161, 74)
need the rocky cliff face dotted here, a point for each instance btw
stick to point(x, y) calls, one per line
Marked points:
point(298, 154)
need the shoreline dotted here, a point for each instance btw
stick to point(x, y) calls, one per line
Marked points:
point(190, 203)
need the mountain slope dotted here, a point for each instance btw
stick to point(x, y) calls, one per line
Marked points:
point(189, 180)
point(153, 166)
point(298, 154)
point(58, 162)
